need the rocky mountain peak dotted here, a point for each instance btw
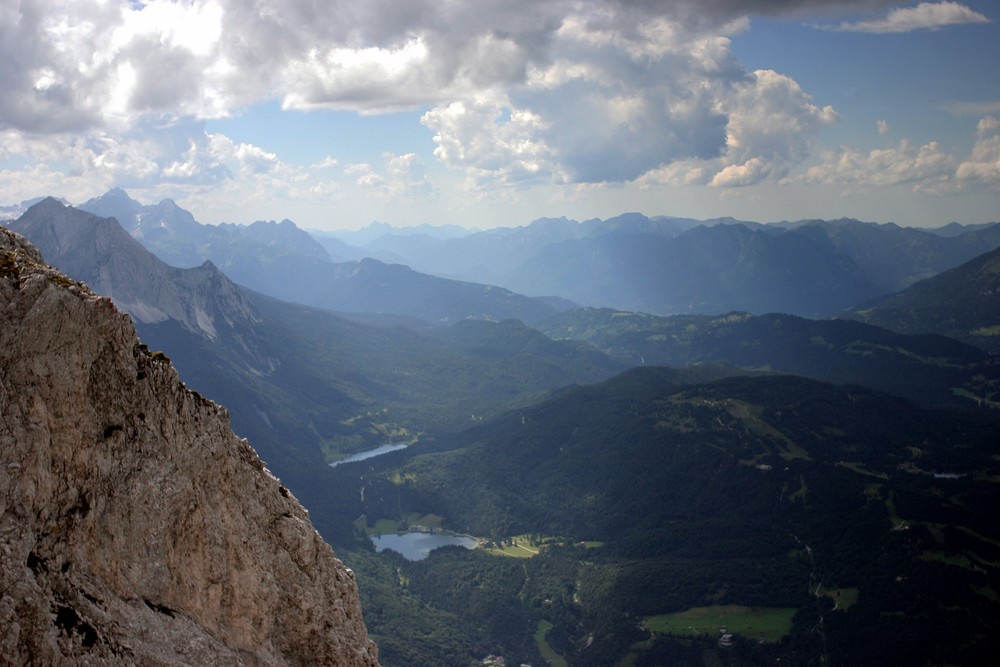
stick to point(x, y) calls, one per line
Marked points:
point(136, 527)
point(99, 252)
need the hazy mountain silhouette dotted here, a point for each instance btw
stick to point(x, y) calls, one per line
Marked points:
point(280, 260)
point(666, 265)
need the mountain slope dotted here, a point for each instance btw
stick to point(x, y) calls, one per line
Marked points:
point(963, 303)
point(137, 528)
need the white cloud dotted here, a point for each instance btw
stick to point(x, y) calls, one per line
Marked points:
point(406, 175)
point(91, 63)
point(982, 168)
point(402, 176)
point(517, 92)
point(170, 153)
point(925, 168)
point(495, 143)
point(771, 127)
point(364, 175)
point(925, 16)
point(328, 162)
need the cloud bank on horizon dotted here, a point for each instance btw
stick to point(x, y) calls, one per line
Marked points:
point(563, 101)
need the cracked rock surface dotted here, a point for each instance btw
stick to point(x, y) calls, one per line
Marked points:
point(136, 527)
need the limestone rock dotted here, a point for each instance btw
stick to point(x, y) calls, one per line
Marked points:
point(136, 527)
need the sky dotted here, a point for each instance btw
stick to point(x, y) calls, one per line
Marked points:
point(485, 113)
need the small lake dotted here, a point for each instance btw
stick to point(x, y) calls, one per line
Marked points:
point(368, 453)
point(417, 546)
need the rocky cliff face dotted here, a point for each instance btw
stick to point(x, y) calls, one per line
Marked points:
point(136, 528)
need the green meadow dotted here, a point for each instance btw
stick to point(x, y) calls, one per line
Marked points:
point(768, 623)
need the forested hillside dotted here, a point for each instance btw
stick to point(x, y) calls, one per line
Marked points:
point(857, 513)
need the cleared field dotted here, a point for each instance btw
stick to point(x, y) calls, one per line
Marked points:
point(551, 657)
point(768, 623)
point(843, 597)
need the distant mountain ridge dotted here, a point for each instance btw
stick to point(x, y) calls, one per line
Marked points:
point(661, 265)
point(665, 265)
point(180, 240)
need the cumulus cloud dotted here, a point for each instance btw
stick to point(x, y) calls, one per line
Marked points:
point(154, 153)
point(494, 142)
point(982, 168)
point(925, 16)
point(926, 168)
point(401, 176)
point(771, 127)
point(87, 63)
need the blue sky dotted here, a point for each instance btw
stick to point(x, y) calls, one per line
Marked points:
point(491, 113)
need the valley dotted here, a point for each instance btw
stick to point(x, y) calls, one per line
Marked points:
point(632, 481)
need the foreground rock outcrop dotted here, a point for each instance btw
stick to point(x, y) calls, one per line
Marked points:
point(136, 527)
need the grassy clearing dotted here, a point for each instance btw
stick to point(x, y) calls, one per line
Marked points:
point(384, 527)
point(768, 623)
point(551, 657)
point(986, 331)
point(845, 598)
point(528, 546)
point(955, 560)
point(861, 469)
point(513, 550)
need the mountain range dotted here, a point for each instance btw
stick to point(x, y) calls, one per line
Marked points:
point(660, 265)
point(931, 369)
point(280, 260)
point(666, 265)
point(729, 483)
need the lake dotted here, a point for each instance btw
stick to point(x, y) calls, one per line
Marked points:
point(367, 454)
point(417, 546)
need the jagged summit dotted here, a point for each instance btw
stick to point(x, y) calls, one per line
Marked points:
point(136, 527)
point(99, 252)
